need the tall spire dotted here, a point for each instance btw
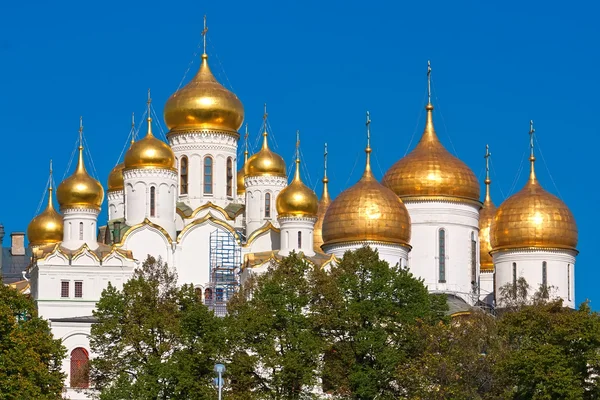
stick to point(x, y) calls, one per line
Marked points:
point(246, 145)
point(368, 149)
point(265, 142)
point(80, 165)
point(429, 133)
point(50, 189)
point(149, 102)
point(325, 195)
point(297, 173)
point(531, 155)
point(428, 82)
point(204, 32)
point(132, 128)
point(487, 181)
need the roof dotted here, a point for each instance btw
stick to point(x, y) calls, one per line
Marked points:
point(456, 305)
point(89, 319)
point(13, 266)
point(252, 260)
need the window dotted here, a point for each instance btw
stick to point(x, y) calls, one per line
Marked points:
point(442, 255)
point(152, 201)
point(208, 175)
point(80, 371)
point(229, 177)
point(208, 295)
point(569, 282)
point(544, 275)
point(64, 289)
point(473, 259)
point(219, 294)
point(79, 289)
point(267, 205)
point(299, 239)
point(81, 231)
point(183, 175)
point(515, 280)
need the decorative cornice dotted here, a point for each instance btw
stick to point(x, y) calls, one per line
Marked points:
point(264, 180)
point(441, 199)
point(209, 148)
point(174, 133)
point(268, 226)
point(361, 243)
point(533, 249)
point(132, 173)
point(144, 223)
point(209, 206)
point(203, 220)
point(115, 194)
point(75, 210)
point(292, 218)
point(85, 249)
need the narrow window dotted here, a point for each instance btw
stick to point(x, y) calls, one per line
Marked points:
point(79, 289)
point(208, 296)
point(442, 255)
point(208, 175)
point(229, 177)
point(80, 372)
point(64, 289)
point(183, 176)
point(569, 282)
point(514, 280)
point(81, 231)
point(152, 201)
point(219, 295)
point(299, 239)
point(544, 275)
point(473, 259)
point(267, 205)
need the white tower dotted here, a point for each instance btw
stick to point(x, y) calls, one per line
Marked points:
point(80, 197)
point(534, 236)
point(297, 208)
point(150, 180)
point(116, 186)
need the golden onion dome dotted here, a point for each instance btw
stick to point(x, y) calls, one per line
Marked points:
point(367, 211)
point(115, 178)
point(150, 152)
point(323, 206)
point(80, 190)
point(47, 227)
point(430, 171)
point(533, 218)
point(203, 104)
point(297, 199)
point(486, 215)
point(265, 162)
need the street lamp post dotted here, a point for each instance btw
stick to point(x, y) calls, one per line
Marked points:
point(219, 369)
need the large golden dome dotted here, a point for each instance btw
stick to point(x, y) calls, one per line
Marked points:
point(368, 211)
point(486, 215)
point(80, 190)
point(297, 199)
point(265, 162)
point(150, 152)
point(323, 206)
point(47, 227)
point(533, 218)
point(204, 104)
point(430, 171)
point(115, 178)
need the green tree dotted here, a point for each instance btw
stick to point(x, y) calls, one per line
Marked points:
point(30, 358)
point(367, 310)
point(275, 350)
point(153, 340)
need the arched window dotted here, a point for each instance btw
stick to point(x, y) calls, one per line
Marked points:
point(267, 205)
point(473, 259)
point(81, 231)
point(208, 175)
point(152, 201)
point(183, 175)
point(569, 282)
point(229, 177)
point(514, 282)
point(442, 255)
point(208, 295)
point(80, 371)
point(299, 239)
point(544, 274)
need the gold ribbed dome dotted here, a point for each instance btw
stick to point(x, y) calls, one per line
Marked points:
point(533, 218)
point(204, 104)
point(368, 211)
point(150, 152)
point(297, 199)
point(486, 215)
point(265, 162)
point(323, 206)
point(430, 171)
point(115, 178)
point(80, 190)
point(47, 227)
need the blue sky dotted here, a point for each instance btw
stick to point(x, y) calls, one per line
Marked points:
point(319, 66)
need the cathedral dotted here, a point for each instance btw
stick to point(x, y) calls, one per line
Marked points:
point(187, 202)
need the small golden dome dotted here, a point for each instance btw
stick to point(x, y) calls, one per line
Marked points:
point(204, 104)
point(533, 218)
point(297, 199)
point(150, 152)
point(486, 215)
point(323, 206)
point(47, 227)
point(368, 211)
point(431, 171)
point(80, 190)
point(115, 178)
point(265, 162)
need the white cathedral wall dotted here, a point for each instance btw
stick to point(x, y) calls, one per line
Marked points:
point(80, 227)
point(290, 228)
point(116, 204)
point(147, 240)
point(486, 287)
point(560, 267)
point(392, 253)
point(461, 223)
point(256, 189)
point(267, 241)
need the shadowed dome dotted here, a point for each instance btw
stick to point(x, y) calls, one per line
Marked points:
point(203, 104)
point(431, 171)
point(265, 162)
point(150, 152)
point(80, 190)
point(47, 227)
point(296, 199)
point(115, 178)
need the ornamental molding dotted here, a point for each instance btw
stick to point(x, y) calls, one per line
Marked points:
point(266, 180)
point(502, 252)
point(361, 243)
point(115, 195)
point(294, 219)
point(150, 172)
point(441, 199)
point(202, 136)
point(73, 210)
point(209, 148)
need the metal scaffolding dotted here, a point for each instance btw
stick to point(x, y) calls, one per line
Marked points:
point(225, 263)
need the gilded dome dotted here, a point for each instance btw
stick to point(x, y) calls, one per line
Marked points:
point(431, 171)
point(534, 218)
point(47, 227)
point(297, 199)
point(203, 104)
point(323, 206)
point(368, 211)
point(150, 152)
point(486, 215)
point(80, 190)
point(115, 178)
point(265, 162)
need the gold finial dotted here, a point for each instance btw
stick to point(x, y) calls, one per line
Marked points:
point(297, 174)
point(325, 195)
point(246, 144)
point(204, 31)
point(50, 188)
point(132, 127)
point(428, 82)
point(80, 132)
point(487, 173)
point(149, 102)
point(265, 115)
point(531, 156)
point(80, 165)
point(368, 149)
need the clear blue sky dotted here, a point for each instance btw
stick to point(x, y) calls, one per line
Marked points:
point(319, 66)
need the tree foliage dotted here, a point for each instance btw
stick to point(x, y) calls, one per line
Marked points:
point(30, 358)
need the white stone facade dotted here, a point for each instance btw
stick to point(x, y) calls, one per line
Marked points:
point(116, 204)
point(392, 253)
point(297, 235)
point(80, 227)
point(261, 193)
